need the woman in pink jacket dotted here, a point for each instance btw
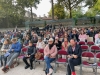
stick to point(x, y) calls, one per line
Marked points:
point(50, 52)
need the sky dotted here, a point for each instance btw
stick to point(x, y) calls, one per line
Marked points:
point(43, 8)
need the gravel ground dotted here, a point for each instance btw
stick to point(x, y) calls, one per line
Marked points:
point(61, 70)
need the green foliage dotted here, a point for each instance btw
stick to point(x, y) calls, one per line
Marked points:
point(93, 11)
point(58, 11)
point(12, 12)
point(70, 5)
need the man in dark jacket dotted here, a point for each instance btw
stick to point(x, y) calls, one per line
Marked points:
point(30, 54)
point(74, 57)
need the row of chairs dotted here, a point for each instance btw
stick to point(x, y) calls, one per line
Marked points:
point(60, 60)
point(92, 48)
point(89, 43)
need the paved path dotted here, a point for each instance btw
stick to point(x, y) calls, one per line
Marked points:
point(61, 70)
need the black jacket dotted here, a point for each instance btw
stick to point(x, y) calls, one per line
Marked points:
point(58, 45)
point(31, 50)
point(77, 51)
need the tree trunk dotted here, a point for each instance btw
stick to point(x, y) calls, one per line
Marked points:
point(52, 10)
point(70, 9)
point(31, 14)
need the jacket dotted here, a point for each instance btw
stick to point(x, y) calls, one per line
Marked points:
point(77, 51)
point(52, 52)
point(31, 50)
point(16, 47)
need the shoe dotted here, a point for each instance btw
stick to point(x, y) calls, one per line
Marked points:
point(5, 69)
point(73, 73)
point(27, 66)
point(50, 71)
point(31, 68)
point(12, 66)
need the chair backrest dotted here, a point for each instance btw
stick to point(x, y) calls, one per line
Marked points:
point(85, 47)
point(62, 52)
point(24, 49)
point(94, 47)
point(82, 43)
point(98, 55)
point(88, 54)
point(89, 39)
point(41, 50)
point(90, 43)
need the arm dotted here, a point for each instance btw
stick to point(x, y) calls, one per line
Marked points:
point(55, 51)
point(34, 51)
point(18, 48)
point(96, 43)
point(46, 51)
point(79, 52)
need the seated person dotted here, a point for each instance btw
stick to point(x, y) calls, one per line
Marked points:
point(40, 44)
point(58, 43)
point(6, 46)
point(83, 36)
point(50, 52)
point(30, 54)
point(65, 44)
point(13, 53)
point(97, 42)
point(74, 57)
point(26, 40)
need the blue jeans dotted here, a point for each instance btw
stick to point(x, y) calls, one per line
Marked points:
point(48, 61)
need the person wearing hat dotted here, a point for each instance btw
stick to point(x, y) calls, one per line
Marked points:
point(40, 44)
point(50, 52)
point(30, 54)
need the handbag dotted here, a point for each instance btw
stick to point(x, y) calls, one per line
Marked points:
point(38, 55)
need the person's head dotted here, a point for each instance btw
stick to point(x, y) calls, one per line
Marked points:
point(99, 36)
point(56, 38)
point(72, 42)
point(65, 39)
point(30, 43)
point(82, 32)
point(14, 40)
point(51, 41)
point(27, 37)
point(7, 41)
point(39, 39)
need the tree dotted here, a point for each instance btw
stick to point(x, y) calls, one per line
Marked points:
point(59, 11)
point(94, 10)
point(70, 5)
point(90, 3)
point(28, 4)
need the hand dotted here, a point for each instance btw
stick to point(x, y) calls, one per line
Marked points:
point(75, 56)
point(4, 50)
point(12, 50)
point(28, 55)
point(69, 56)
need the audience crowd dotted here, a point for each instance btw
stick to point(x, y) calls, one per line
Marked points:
point(51, 39)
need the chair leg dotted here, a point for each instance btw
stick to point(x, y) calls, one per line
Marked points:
point(44, 68)
point(34, 65)
point(81, 69)
point(55, 67)
point(96, 70)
